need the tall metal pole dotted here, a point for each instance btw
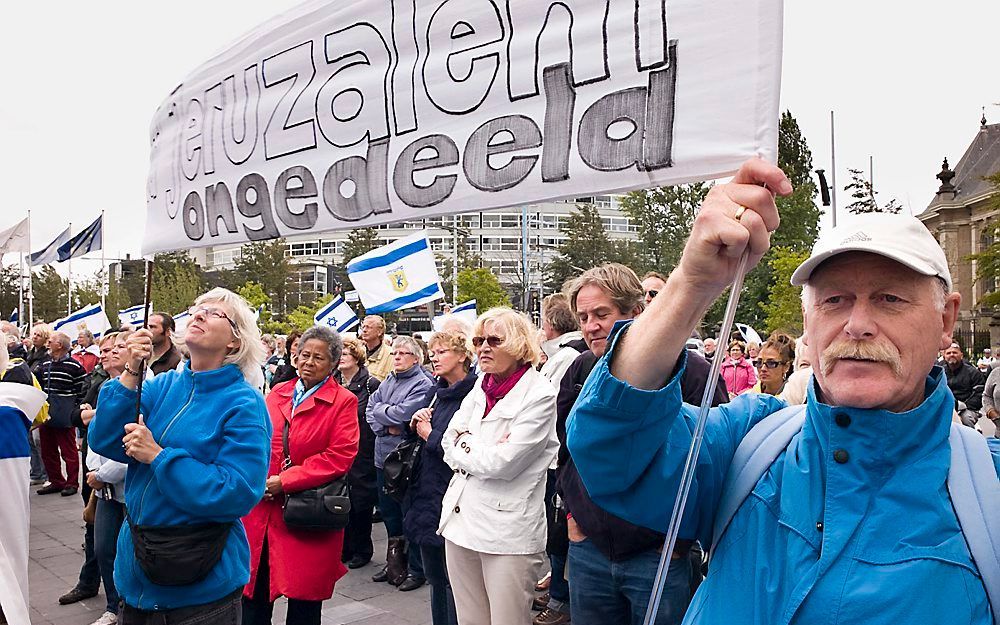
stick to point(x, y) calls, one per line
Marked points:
point(104, 270)
point(454, 260)
point(31, 273)
point(69, 277)
point(524, 257)
point(833, 172)
point(20, 289)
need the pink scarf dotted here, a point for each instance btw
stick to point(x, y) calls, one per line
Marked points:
point(496, 389)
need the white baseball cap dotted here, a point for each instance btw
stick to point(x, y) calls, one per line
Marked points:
point(902, 238)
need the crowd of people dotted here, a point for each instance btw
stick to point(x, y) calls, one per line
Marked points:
point(216, 474)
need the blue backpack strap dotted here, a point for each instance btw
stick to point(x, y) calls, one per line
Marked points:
point(975, 495)
point(756, 452)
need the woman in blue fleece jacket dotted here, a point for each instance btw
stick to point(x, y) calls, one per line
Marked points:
point(197, 460)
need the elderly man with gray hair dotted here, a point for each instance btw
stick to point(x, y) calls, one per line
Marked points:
point(63, 379)
point(865, 505)
point(390, 409)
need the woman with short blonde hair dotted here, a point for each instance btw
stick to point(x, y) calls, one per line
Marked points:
point(499, 444)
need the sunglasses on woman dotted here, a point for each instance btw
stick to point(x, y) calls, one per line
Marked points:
point(492, 341)
point(770, 364)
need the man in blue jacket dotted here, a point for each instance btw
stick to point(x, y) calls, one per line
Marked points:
point(853, 521)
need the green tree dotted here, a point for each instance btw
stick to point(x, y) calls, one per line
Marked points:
point(783, 308)
point(266, 263)
point(587, 245)
point(798, 230)
point(664, 217)
point(988, 260)
point(359, 241)
point(9, 292)
point(481, 285)
point(49, 290)
point(303, 316)
point(863, 194)
point(177, 282)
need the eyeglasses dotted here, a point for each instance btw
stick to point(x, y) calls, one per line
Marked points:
point(651, 293)
point(770, 364)
point(492, 341)
point(216, 313)
point(400, 352)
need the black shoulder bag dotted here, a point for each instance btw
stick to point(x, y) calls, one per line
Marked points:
point(400, 466)
point(326, 507)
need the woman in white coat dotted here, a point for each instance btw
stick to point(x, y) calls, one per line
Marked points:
point(499, 443)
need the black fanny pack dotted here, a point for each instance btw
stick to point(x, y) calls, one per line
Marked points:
point(178, 555)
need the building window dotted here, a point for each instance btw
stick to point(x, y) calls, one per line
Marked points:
point(304, 248)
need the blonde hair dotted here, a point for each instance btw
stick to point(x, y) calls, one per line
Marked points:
point(357, 349)
point(249, 355)
point(455, 342)
point(521, 340)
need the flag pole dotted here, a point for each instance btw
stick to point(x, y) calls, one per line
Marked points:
point(31, 293)
point(105, 283)
point(145, 325)
point(20, 289)
point(69, 276)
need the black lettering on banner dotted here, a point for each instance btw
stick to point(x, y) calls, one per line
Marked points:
point(530, 21)
point(523, 133)
point(370, 195)
point(620, 109)
point(459, 33)
point(192, 139)
point(219, 205)
point(259, 206)
point(296, 183)
point(290, 128)
point(658, 144)
point(164, 186)
point(193, 216)
point(404, 46)
point(361, 55)
point(650, 34)
point(240, 108)
point(560, 100)
point(212, 127)
point(446, 154)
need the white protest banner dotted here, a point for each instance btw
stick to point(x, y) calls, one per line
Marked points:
point(350, 114)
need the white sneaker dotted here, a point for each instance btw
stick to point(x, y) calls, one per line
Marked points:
point(108, 618)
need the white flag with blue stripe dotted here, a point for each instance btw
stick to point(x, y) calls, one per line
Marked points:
point(51, 252)
point(131, 316)
point(396, 276)
point(337, 315)
point(181, 323)
point(466, 311)
point(90, 317)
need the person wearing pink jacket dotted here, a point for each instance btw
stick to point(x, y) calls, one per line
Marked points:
point(737, 371)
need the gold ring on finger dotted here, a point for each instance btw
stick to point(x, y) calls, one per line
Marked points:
point(739, 212)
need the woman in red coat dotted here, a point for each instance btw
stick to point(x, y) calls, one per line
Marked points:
point(302, 565)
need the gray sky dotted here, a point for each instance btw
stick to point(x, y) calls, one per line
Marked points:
point(81, 82)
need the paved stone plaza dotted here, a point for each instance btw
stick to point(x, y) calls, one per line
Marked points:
point(57, 553)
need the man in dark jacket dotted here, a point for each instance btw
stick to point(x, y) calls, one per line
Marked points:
point(966, 383)
point(165, 354)
point(612, 563)
point(39, 350)
point(64, 380)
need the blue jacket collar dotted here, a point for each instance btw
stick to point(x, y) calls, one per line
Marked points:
point(214, 380)
point(880, 439)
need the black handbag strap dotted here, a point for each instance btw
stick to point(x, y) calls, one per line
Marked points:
point(287, 461)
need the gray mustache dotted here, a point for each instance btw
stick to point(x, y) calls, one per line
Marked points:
point(861, 350)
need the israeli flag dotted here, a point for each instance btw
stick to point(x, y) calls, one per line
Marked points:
point(13, 316)
point(337, 315)
point(89, 240)
point(181, 324)
point(90, 317)
point(396, 276)
point(466, 311)
point(131, 316)
point(749, 334)
point(51, 252)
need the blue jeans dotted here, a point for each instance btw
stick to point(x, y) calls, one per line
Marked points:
point(559, 599)
point(442, 599)
point(392, 512)
point(602, 591)
point(107, 524)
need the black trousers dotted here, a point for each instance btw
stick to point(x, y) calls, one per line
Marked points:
point(258, 610)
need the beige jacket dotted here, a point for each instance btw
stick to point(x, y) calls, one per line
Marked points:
point(380, 363)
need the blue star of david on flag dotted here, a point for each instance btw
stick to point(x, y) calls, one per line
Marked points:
point(332, 314)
